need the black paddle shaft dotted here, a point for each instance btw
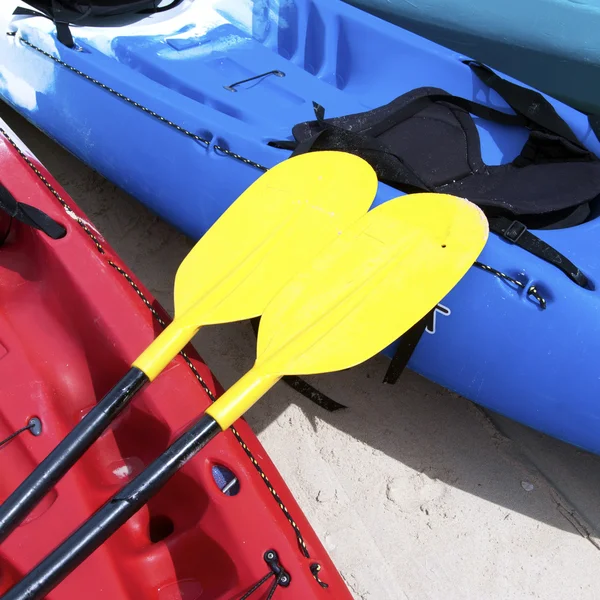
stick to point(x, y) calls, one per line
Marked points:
point(107, 519)
point(45, 476)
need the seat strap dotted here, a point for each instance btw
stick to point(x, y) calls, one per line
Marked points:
point(526, 102)
point(63, 33)
point(30, 215)
point(517, 233)
point(58, 15)
point(405, 349)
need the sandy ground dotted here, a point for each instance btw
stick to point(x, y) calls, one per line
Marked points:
point(416, 492)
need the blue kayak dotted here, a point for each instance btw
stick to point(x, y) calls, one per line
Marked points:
point(179, 109)
point(552, 45)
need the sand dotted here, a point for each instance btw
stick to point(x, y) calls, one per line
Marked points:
point(415, 492)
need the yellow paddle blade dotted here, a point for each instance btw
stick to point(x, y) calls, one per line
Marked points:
point(372, 284)
point(282, 220)
point(278, 224)
point(378, 279)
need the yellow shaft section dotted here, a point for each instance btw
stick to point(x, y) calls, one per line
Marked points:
point(240, 397)
point(164, 348)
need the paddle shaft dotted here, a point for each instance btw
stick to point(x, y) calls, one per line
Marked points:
point(120, 508)
point(45, 476)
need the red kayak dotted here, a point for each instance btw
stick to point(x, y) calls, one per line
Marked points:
point(72, 319)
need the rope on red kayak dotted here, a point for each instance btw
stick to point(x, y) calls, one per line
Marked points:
point(161, 321)
point(255, 587)
point(282, 506)
point(12, 436)
point(315, 569)
point(143, 108)
point(34, 425)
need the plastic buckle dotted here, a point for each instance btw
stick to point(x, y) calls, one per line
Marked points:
point(272, 559)
point(514, 231)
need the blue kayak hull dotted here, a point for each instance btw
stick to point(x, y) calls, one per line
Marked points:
point(152, 112)
point(552, 45)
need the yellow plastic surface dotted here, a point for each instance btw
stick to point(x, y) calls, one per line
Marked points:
point(278, 224)
point(372, 284)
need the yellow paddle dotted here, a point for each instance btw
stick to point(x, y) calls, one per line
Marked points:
point(379, 278)
point(372, 284)
point(280, 222)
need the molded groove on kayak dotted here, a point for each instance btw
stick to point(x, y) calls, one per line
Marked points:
point(314, 55)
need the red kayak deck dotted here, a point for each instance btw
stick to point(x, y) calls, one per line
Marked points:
point(72, 319)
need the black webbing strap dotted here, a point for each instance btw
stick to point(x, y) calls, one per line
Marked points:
point(21, 10)
point(62, 17)
point(63, 33)
point(517, 233)
point(405, 349)
point(30, 215)
point(283, 144)
point(526, 102)
point(312, 393)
